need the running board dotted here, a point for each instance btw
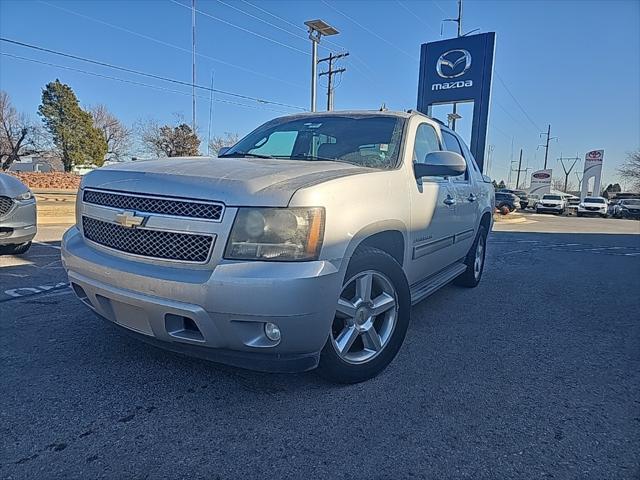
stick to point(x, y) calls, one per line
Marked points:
point(426, 287)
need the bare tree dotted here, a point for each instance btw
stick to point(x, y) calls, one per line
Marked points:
point(18, 135)
point(167, 141)
point(114, 132)
point(227, 140)
point(630, 170)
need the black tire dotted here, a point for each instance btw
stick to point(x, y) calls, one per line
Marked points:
point(334, 368)
point(15, 249)
point(469, 278)
point(579, 214)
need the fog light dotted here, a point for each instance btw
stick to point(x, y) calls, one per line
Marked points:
point(272, 331)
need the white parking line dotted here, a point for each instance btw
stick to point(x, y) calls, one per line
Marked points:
point(47, 245)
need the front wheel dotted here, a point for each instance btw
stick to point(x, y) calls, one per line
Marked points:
point(371, 319)
point(474, 261)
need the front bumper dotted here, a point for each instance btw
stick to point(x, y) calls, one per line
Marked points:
point(584, 211)
point(19, 224)
point(542, 208)
point(217, 314)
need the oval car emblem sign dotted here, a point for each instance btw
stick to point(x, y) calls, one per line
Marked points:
point(594, 155)
point(541, 175)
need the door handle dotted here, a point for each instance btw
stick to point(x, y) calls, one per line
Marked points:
point(472, 197)
point(449, 200)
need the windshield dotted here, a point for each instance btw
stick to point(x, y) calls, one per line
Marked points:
point(365, 140)
point(593, 200)
point(630, 202)
point(552, 197)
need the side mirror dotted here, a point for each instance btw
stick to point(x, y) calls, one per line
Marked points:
point(223, 150)
point(486, 179)
point(440, 164)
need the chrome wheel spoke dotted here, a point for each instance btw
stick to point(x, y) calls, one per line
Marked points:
point(346, 308)
point(383, 303)
point(345, 339)
point(372, 340)
point(363, 287)
point(365, 318)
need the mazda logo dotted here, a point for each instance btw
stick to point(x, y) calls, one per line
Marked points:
point(453, 63)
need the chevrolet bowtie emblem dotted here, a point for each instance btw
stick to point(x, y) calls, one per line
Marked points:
point(129, 219)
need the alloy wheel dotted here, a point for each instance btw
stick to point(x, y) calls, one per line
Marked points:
point(365, 318)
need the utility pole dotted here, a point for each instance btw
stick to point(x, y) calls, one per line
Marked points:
point(458, 20)
point(519, 170)
point(567, 172)
point(330, 73)
point(579, 177)
point(193, 65)
point(546, 145)
point(210, 115)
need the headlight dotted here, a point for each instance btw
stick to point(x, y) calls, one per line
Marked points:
point(25, 196)
point(278, 234)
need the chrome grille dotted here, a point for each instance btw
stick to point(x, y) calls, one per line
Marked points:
point(151, 204)
point(148, 243)
point(6, 204)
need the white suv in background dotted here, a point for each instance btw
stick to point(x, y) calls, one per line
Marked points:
point(593, 206)
point(551, 203)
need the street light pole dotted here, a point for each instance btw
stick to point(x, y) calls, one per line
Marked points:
point(317, 28)
point(315, 39)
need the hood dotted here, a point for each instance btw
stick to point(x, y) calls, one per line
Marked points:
point(10, 186)
point(233, 181)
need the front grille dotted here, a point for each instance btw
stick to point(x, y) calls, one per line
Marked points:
point(148, 243)
point(549, 205)
point(592, 208)
point(6, 204)
point(151, 204)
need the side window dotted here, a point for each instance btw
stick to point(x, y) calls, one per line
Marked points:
point(451, 144)
point(426, 142)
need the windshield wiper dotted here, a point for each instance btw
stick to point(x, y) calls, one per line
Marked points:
point(245, 154)
point(304, 156)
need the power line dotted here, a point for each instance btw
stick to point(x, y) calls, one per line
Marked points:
point(166, 44)
point(371, 32)
point(517, 102)
point(329, 42)
point(263, 20)
point(264, 37)
point(145, 74)
point(416, 16)
point(133, 82)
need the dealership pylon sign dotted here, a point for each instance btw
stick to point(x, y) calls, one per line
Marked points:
point(455, 71)
point(592, 169)
point(540, 182)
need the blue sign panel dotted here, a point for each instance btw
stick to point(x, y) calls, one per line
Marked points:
point(459, 70)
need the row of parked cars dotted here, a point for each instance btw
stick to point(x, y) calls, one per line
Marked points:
point(564, 203)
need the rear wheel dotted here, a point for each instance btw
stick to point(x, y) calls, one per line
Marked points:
point(474, 261)
point(371, 319)
point(15, 249)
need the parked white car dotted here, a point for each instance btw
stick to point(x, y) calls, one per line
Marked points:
point(304, 245)
point(593, 206)
point(551, 203)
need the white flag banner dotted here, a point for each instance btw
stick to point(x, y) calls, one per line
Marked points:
point(540, 182)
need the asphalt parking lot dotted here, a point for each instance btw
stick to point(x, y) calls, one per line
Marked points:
point(534, 374)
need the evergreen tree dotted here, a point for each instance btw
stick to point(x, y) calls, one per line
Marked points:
point(74, 135)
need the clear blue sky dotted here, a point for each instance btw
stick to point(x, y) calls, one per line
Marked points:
point(574, 64)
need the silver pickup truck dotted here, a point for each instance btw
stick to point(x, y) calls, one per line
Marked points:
point(304, 245)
